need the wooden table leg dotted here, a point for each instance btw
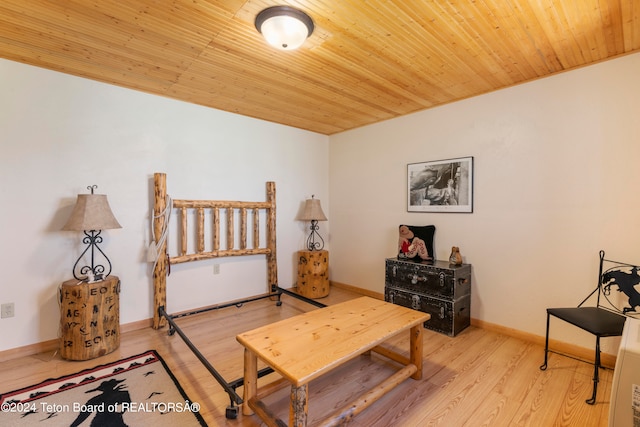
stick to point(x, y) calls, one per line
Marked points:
point(299, 406)
point(415, 352)
point(250, 380)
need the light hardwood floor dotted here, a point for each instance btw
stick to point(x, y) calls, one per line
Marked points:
point(479, 378)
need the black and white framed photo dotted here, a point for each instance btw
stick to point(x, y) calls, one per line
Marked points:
point(440, 186)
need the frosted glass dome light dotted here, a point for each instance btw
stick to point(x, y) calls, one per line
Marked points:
point(284, 27)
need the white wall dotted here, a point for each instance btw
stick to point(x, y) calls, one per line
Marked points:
point(60, 134)
point(555, 179)
point(557, 168)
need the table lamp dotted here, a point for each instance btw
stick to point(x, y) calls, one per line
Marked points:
point(91, 215)
point(313, 212)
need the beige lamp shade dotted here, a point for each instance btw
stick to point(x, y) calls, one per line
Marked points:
point(91, 212)
point(312, 211)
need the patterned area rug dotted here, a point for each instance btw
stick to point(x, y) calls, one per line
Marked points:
point(136, 391)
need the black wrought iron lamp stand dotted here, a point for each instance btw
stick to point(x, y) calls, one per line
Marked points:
point(95, 271)
point(315, 242)
point(91, 214)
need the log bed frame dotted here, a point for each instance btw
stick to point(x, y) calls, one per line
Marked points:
point(161, 269)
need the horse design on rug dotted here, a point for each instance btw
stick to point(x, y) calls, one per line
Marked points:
point(626, 282)
point(113, 395)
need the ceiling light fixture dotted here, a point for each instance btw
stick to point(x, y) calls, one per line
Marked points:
point(284, 27)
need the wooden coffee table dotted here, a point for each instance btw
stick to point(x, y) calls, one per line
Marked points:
point(307, 346)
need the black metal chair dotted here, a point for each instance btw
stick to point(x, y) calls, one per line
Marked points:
point(598, 320)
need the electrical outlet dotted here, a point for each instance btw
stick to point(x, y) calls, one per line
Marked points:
point(7, 310)
point(216, 268)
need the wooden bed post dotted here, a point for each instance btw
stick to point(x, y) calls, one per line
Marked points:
point(160, 229)
point(160, 270)
point(272, 264)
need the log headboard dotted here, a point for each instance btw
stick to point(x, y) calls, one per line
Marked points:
point(199, 250)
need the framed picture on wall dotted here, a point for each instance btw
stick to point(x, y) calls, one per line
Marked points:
point(440, 186)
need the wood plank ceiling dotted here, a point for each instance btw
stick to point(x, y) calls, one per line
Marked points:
point(367, 60)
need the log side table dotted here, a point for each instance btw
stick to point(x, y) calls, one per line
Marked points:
point(89, 318)
point(313, 274)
